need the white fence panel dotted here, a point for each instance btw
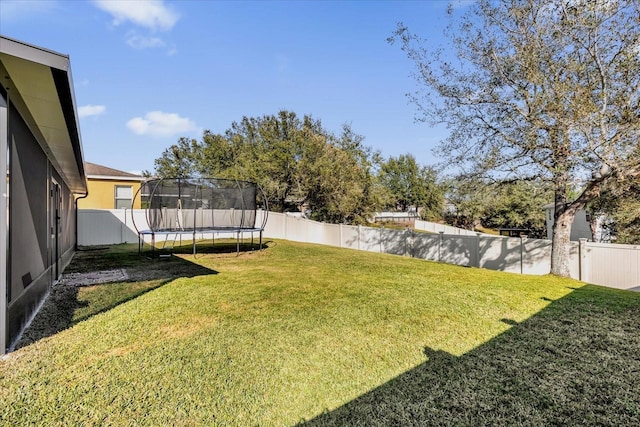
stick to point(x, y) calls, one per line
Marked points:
point(276, 226)
point(332, 235)
point(617, 265)
point(296, 229)
point(425, 226)
point(427, 246)
point(315, 231)
point(370, 239)
point(434, 227)
point(350, 237)
point(459, 250)
point(537, 256)
point(394, 241)
point(501, 253)
point(105, 227)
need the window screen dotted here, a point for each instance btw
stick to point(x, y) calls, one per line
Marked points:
point(124, 195)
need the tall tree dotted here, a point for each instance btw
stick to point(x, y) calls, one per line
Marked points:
point(469, 197)
point(295, 161)
point(518, 205)
point(365, 161)
point(333, 187)
point(178, 161)
point(262, 149)
point(412, 185)
point(545, 89)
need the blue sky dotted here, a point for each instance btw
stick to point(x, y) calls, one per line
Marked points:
point(147, 73)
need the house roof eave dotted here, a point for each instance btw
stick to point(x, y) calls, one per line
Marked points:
point(39, 84)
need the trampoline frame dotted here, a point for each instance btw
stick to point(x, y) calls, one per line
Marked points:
point(181, 229)
point(238, 231)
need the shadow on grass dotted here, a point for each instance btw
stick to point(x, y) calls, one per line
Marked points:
point(203, 247)
point(574, 363)
point(68, 304)
point(102, 298)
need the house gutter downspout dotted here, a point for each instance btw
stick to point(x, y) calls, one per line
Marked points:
point(86, 194)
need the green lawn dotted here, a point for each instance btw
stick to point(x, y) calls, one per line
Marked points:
point(310, 334)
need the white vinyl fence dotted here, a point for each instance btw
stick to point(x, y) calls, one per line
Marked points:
point(108, 226)
point(434, 227)
point(610, 265)
point(115, 226)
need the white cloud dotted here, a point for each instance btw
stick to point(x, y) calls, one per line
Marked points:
point(151, 14)
point(91, 110)
point(137, 41)
point(157, 123)
point(172, 50)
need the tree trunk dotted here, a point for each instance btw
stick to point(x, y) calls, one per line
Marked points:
point(564, 216)
point(561, 243)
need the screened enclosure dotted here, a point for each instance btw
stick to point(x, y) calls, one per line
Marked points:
point(200, 205)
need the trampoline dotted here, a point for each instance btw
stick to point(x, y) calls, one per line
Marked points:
point(186, 206)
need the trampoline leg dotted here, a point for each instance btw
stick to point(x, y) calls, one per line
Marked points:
point(194, 243)
point(238, 243)
point(260, 239)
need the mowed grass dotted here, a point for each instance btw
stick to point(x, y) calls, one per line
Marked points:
point(302, 333)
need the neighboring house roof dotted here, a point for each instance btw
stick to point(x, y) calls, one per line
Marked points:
point(40, 87)
point(95, 171)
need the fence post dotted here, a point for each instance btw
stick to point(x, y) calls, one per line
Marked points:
point(410, 243)
point(522, 241)
point(406, 242)
point(440, 245)
point(123, 228)
point(286, 221)
point(478, 250)
point(582, 260)
point(359, 229)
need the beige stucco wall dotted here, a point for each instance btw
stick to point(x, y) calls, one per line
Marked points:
point(102, 194)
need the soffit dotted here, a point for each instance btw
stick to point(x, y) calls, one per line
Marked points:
point(28, 74)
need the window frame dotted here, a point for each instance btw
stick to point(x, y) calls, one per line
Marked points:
point(129, 199)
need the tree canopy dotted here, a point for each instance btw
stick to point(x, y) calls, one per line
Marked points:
point(538, 89)
point(298, 164)
point(518, 204)
point(411, 185)
point(617, 211)
point(502, 204)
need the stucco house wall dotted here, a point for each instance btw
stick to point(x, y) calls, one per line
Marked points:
point(41, 155)
point(107, 186)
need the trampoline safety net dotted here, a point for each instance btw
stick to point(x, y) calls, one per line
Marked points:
point(199, 204)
